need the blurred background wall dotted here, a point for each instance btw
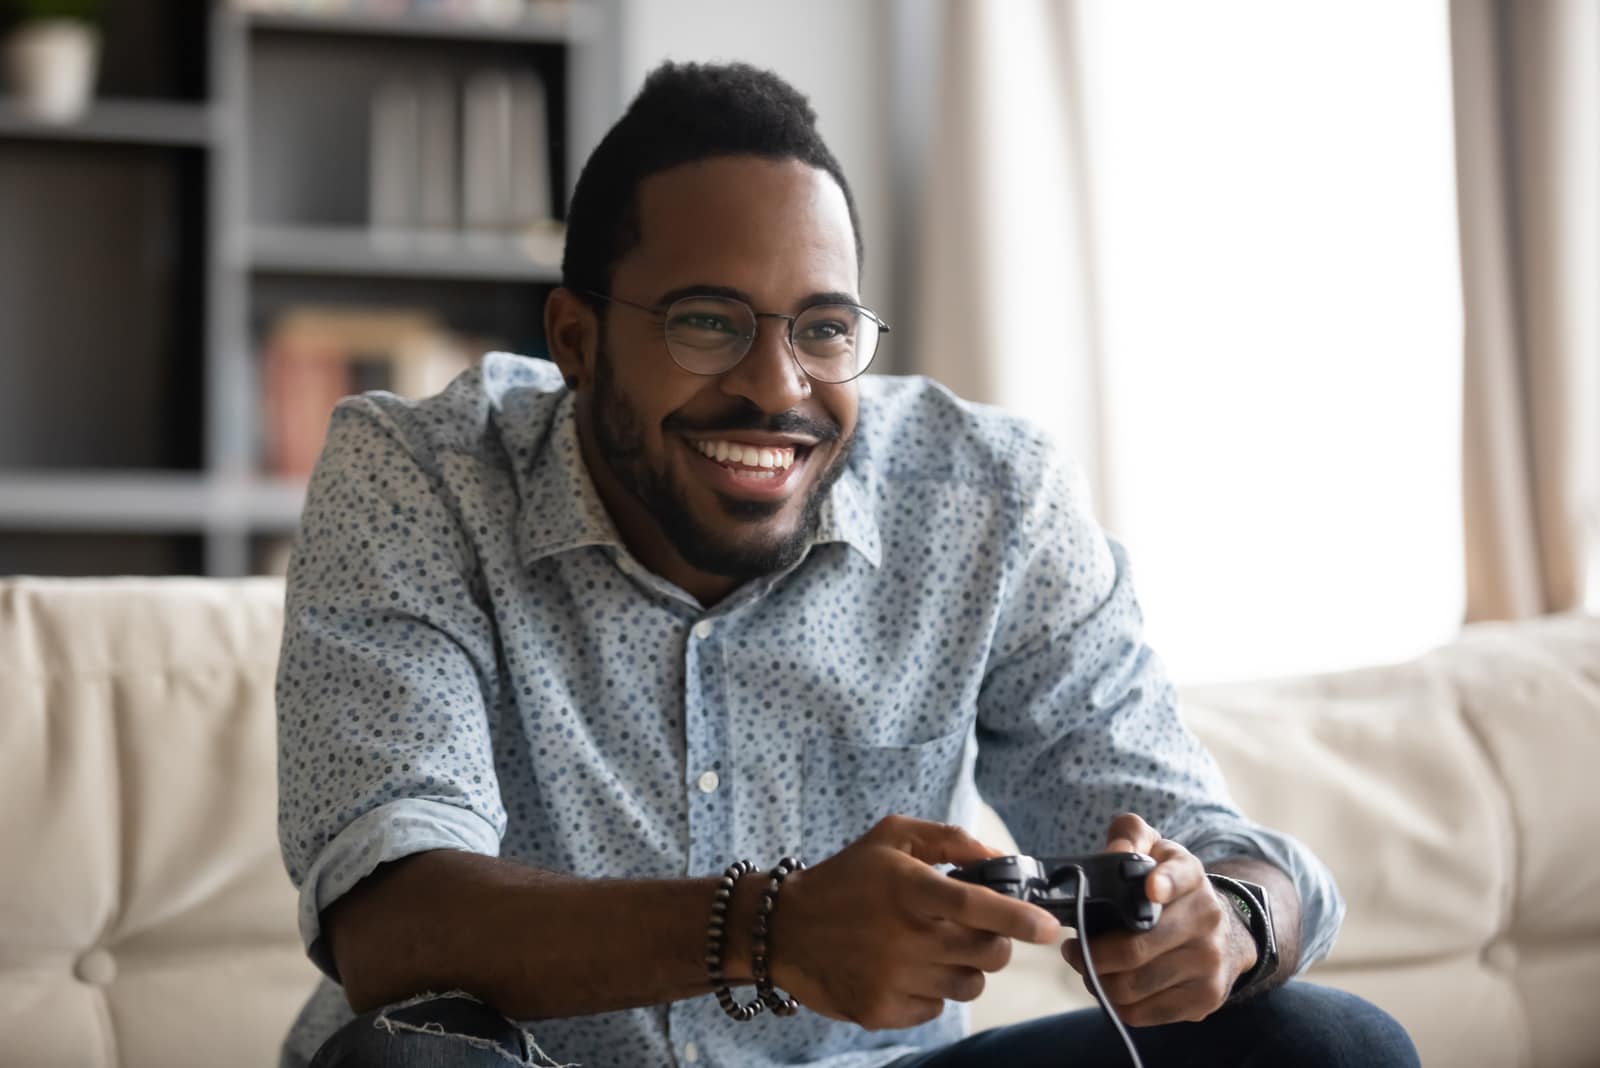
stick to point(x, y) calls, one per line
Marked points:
point(1306, 290)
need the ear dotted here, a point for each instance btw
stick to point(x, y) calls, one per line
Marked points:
point(572, 331)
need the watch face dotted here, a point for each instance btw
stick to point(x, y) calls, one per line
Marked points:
point(1264, 907)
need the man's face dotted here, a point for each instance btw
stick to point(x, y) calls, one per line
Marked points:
point(730, 469)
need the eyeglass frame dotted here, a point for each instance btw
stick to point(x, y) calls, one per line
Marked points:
point(661, 313)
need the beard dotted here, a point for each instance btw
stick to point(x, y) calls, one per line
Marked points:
point(620, 433)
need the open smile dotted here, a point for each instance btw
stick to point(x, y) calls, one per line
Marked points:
point(750, 469)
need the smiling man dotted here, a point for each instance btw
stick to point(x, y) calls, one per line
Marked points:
point(719, 475)
point(578, 647)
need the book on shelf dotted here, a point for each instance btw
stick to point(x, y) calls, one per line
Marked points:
point(468, 160)
point(313, 356)
point(413, 155)
point(393, 196)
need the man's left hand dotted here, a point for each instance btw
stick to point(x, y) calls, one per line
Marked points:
point(1185, 966)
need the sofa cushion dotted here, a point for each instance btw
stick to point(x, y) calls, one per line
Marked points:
point(148, 918)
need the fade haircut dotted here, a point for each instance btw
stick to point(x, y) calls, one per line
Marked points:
point(685, 112)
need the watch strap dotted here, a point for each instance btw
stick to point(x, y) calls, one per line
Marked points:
point(1250, 901)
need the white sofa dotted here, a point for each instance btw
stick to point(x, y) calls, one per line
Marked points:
point(145, 918)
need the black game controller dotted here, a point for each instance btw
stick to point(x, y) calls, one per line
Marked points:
point(1114, 893)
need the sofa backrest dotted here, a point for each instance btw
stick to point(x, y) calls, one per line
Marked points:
point(1455, 797)
point(147, 919)
point(147, 916)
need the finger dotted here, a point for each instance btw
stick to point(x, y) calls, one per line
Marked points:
point(938, 897)
point(922, 1010)
point(1114, 952)
point(946, 982)
point(955, 944)
point(1191, 1002)
point(1177, 872)
point(1163, 973)
point(932, 843)
point(1129, 833)
point(899, 1011)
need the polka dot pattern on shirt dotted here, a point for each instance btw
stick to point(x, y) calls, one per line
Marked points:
point(472, 660)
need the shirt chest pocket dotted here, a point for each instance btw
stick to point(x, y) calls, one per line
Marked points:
point(850, 786)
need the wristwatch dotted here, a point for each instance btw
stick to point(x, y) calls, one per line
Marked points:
point(1250, 900)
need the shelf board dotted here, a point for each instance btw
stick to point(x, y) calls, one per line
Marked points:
point(113, 121)
point(545, 23)
point(359, 252)
point(146, 501)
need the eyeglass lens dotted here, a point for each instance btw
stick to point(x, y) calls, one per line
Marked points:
point(832, 342)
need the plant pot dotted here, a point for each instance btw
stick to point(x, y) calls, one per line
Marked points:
point(50, 67)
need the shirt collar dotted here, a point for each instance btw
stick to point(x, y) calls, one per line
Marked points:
point(562, 510)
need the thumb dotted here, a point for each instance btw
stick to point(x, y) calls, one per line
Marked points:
point(1129, 833)
point(932, 843)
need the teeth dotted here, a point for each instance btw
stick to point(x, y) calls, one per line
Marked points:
point(776, 459)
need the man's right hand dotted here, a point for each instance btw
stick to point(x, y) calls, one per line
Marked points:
point(877, 936)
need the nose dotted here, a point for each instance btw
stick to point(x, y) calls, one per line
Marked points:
point(769, 376)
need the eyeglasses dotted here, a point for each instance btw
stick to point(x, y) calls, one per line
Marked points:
point(709, 335)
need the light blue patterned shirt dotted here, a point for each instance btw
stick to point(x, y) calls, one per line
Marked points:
point(472, 660)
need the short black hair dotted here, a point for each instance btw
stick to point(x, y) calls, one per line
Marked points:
point(685, 112)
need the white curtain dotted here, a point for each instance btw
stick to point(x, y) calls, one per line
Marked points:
point(1005, 309)
point(1527, 96)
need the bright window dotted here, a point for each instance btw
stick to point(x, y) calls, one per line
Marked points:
point(1273, 191)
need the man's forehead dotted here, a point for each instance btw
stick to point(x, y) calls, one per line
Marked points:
point(744, 214)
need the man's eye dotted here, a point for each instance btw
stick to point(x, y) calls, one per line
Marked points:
point(825, 330)
point(700, 321)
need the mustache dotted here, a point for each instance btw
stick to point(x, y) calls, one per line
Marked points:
point(749, 417)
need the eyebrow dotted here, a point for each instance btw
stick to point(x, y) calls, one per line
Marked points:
point(708, 290)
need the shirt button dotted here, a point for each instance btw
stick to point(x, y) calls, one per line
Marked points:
point(702, 629)
point(708, 782)
point(691, 1052)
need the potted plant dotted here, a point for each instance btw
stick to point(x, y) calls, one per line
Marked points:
point(52, 55)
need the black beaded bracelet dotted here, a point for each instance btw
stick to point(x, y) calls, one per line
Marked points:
point(780, 1004)
point(716, 934)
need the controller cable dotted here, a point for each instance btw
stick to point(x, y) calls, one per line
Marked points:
point(1088, 961)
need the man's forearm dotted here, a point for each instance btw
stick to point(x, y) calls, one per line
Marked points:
point(532, 943)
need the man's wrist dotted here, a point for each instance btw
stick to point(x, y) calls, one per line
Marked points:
point(1239, 936)
point(736, 969)
point(1250, 906)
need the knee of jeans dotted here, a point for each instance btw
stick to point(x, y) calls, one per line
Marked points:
point(451, 1028)
point(1313, 1025)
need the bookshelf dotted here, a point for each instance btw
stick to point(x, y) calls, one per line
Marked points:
point(362, 253)
point(146, 122)
point(222, 182)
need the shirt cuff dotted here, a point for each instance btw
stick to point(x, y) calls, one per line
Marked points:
point(1321, 906)
point(387, 833)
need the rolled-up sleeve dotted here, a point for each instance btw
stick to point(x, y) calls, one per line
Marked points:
point(387, 668)
point(1078, 720)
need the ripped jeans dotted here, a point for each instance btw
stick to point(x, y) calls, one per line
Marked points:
point(1297, 1024)
point(408, 1035)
